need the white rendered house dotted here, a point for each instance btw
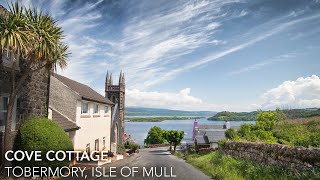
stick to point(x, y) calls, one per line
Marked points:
point(82, 112)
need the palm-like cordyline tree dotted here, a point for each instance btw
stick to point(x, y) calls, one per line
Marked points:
point(36, 39)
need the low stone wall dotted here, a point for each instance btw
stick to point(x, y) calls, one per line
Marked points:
point(284, 156)
point(206, 150)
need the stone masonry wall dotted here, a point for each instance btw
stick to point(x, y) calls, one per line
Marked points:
point(63, 99)
point(34, 96)
point(275, 154)
point(32, 99)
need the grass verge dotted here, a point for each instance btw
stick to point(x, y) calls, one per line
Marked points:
point(220, 166)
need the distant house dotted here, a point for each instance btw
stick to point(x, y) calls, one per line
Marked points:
point(208, 135)
point(82, 112)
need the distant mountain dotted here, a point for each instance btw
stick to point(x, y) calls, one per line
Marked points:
point(251, 116)
point(141, 111)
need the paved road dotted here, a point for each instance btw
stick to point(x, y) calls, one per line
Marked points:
point(159, 160)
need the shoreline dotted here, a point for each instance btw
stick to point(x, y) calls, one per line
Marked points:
point(160, 119)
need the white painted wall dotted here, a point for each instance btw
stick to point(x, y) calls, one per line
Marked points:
point(92, 128)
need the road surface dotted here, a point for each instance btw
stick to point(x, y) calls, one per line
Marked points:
point(153, 162)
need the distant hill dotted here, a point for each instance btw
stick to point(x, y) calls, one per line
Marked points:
point(140, 111)
point(251, 116)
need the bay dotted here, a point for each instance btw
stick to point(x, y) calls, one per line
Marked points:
point(139, 130)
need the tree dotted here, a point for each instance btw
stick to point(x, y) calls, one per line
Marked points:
point(155, 136)
point(174, 137)
point(35, 38)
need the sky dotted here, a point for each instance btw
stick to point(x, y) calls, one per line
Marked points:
point(234, 55)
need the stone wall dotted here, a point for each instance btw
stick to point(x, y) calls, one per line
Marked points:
point(63, 99)
point(32, 99)
point(34, 96)
point(274, 154)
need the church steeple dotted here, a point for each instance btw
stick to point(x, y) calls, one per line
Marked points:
point(110, 80)
point(123, 79)
point(120, 78)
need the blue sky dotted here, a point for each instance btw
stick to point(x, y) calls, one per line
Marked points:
point(196, 55)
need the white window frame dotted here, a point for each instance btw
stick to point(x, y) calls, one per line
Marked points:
point(2, 110)
point(104, 141)
point(14, 111)
point(106, 109)
point(96, 144)
point(88, 109)
point(94, 106)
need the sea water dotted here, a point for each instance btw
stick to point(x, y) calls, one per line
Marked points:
point(139, 130)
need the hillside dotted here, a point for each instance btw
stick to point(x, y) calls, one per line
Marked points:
point(251, 116)
point(137, 111)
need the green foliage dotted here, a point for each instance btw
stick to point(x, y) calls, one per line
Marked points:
point(131, 145)
point(266, 120)
point(42, 134)
point(231, 134)
point(271, 127)
point(222, 142)
point(251, 116)
point(234, 116)
point(155, 136)
point(305, 134)
point(174, 137)
point(302, 113)
point(220, 166)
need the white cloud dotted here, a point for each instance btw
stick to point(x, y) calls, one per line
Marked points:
point(243, 13)
point(182, 100)
point(301, 93)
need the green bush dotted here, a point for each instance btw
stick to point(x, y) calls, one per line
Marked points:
point(231, 134)
point(42, 134)
point(271, 127)
point(131, 145)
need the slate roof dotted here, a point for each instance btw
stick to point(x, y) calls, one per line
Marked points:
point(215, 136)
point(202, 139)
point(84, 91)
point(209, 126)
point(63, 122)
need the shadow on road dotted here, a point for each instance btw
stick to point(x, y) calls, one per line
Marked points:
point(157, 154)
point(158, 151)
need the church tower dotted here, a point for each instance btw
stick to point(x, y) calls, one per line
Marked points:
point(116, 94)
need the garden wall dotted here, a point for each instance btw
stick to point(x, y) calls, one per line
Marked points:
point(274, 154)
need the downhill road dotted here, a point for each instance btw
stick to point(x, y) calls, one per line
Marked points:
point(158, 161)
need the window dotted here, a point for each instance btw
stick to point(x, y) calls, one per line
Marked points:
point(84, 108)
point(3, 109)
point(88, 148)
point(96, 109)
point(106, 109)
point(8, 58)
point(96, 145)
point(104, 142)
